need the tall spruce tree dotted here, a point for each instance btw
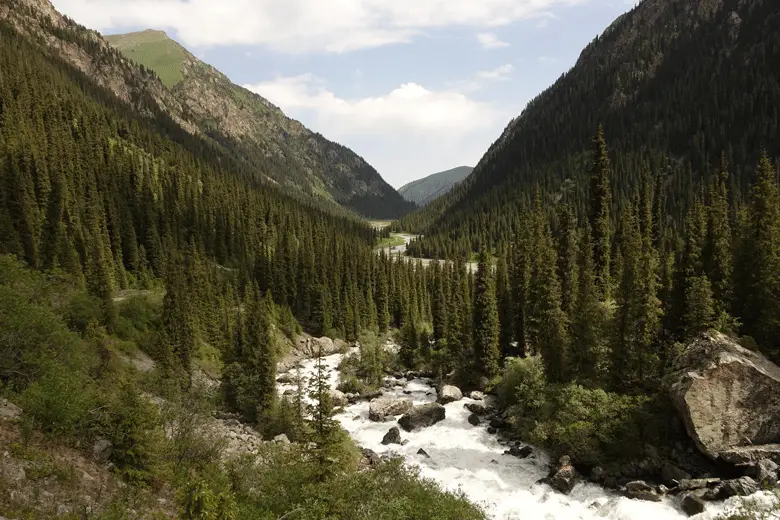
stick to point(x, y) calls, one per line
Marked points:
point(486, 323)
point(506, 318)
point(600, 213)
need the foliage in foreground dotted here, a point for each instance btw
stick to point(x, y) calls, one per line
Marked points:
point(590, 425)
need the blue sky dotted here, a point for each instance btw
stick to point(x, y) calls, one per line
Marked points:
point(413, 86)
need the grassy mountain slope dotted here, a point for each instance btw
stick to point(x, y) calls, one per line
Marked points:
point(675, 83)
point(254, 127)
point(423, 191)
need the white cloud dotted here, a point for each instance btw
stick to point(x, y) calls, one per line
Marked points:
point(405, 133)
point(303, 25)
point(490, 41)
point(409, 107)
point(498, 73)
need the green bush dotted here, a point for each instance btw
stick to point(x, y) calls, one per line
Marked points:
point(285, 484)
point(590, 425)
point(82, 310)
point(60, 402)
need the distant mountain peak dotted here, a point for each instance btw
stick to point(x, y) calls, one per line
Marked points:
point(425, 190)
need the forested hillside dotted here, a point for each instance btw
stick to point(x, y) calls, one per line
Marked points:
point(204, 103)
point(251, 125)
point(674, 84)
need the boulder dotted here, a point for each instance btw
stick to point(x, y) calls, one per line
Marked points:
point(102, 449)
point(285, 379)
point(476, 395)
point(449, 394)
point(739, 487)
point(498, 423)
point(477, 408)
point(393, 436)
point(9, 410)
point(749, 454)
point(491, 430)
point(641, 490)
point(697, 483)
point(372, 394)
point(598, 474)
point(423, 453)
point(371, 456)
point(723, 393)
point(386, 408)
point(563, 477)
point(474, 419)
point(282, 439)
point(764, 472)
point(521, 452)
point(338, 398)
point(692, 504)
point(671, 475)
point(422, 416)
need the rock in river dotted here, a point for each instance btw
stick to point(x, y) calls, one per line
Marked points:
point(386, 408)
point(393, 436)
point(422, 416)
point(449, 394)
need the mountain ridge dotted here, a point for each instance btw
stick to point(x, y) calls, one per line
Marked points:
point(424, 190)
point(666, 80)
point(206, 104)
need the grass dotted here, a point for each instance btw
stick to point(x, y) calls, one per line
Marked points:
point(392, 241)
point(155, 51)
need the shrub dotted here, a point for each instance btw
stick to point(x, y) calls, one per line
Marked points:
point(60, 401)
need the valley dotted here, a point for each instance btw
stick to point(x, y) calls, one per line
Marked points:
point(211, 311)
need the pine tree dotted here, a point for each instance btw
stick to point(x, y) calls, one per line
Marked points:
point(259, 359)
point(178, 327)
point(486, 324)
point(506, 318)
point(567, 258)
point(699, 306)
point(546, 323)
point(600, 213)
point(324, 430)
point(762, 315)
point(382, 298)
point(719, 244)
point(439, 304)
point(589, 320)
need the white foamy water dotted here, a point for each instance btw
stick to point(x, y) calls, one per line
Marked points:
point(467, 458)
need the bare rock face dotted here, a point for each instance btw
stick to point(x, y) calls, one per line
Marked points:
point(727, 396)
point(422, 416)
point(386, 408)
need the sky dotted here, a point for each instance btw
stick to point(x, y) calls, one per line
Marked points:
point(412, 86)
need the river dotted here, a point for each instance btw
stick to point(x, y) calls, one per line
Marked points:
point(466, 457)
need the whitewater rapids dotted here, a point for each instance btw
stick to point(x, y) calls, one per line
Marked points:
point(466, 458)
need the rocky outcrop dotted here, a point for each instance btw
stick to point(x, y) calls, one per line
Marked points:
point(386, 408)
point(449, 394)
point(422, 416)
point(476, 395)
point(478, 408)
point(474, 419)
point(306, 348)
point(727, 396)
point(691, 504)
point(9, 410)
point(102, 450)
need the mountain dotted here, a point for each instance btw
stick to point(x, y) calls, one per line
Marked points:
point(674, 83)
point(252, 125)
point(203, 102)
point(423, 191)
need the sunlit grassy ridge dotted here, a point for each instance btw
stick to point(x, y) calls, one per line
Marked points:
point(155, 51)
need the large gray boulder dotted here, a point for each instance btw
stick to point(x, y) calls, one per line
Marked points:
point(727, 396)
point(338, 398)
point(422, 416)
point(449, 394)
point(386, 408)
point(9, 410)
point(393, 436)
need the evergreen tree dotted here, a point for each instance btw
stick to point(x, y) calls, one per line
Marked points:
point(719, 243)
point(587, 351)
point(486, 324)
point(505, 305)
point(600, 213)
point(324, 430)
point(762, 315)
point(178, 326)
point(567, 258)
point(546, 323)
